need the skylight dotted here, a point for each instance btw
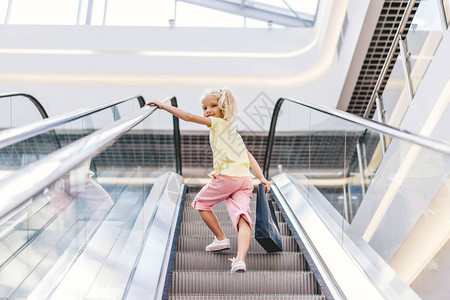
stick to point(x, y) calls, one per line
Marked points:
point(162, 13)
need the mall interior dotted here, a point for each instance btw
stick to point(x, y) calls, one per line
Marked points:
point(344, 104)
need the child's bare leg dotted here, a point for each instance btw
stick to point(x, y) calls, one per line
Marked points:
point(210, 219)
point(244, 237)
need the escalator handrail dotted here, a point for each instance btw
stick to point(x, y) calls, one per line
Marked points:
point(414, 138)
point(19, 187)
point(177, 138)
point(36, 103)
point(17, 134)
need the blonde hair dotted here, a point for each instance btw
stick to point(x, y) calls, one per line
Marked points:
point(227, 103)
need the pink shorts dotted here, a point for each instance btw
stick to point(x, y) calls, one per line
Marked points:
point(236, 191)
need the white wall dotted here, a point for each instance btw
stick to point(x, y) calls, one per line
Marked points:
point(68, 67)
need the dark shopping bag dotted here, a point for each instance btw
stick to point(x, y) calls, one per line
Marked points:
point(267, 232)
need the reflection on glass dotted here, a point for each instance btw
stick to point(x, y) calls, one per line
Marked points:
point(23, 153)
point(406, 213)
point(337, 158)
point(395, 96)
point(324, 150)
point(93, 216)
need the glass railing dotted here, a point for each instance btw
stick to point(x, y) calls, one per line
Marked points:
point(17, 109)
point(338, 157)
point(85, 230)
point(397, 202)
point(51, 138)
point(413, 52)
point(421, 41)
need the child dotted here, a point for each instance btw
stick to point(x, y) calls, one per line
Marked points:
point(232, 180)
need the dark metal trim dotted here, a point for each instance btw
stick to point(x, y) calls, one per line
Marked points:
point(141, 101)
point(36, 103)
point(271, 137)
point(177, 138)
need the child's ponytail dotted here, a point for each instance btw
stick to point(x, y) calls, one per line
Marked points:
point(228, 104)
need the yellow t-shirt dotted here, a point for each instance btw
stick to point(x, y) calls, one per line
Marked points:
point(229, 152)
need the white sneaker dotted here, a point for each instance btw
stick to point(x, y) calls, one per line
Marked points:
point(217, 245)
point(237, 266)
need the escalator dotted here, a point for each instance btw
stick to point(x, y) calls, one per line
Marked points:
point(125, 229)
point(72, 230)
point(201, 275)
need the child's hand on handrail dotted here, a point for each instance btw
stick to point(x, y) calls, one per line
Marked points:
point(266, 184)
point(155, 103)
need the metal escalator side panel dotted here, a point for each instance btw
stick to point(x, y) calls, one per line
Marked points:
point(149, 275)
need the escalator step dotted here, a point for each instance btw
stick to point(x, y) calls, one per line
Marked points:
point(260, 261)
point(196, 244)
point(200, 229)
point(222, 216)
point(244, 297)
point(250, 282)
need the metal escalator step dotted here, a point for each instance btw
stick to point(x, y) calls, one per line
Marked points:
point(198, 244)
point(219, 206)
point(244, 297)
point(222, 216)
point(200, 229)
point(250, 282)
point(284, 261)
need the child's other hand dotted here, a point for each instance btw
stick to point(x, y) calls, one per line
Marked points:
point(155, 103)
point(266, 184)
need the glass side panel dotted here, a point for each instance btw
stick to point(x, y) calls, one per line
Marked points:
point(20, 154)
point(85, 230)
point(397, 202)
point(395, 96)
point(404, 216)
point(17, 111)
point(327, 158)
point(423, 39)
point(323, 148)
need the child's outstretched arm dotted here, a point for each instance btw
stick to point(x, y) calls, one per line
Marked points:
point(255, 167)
point(182, 114)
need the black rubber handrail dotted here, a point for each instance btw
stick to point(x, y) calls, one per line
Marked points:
point(271, 136)
point(177, 138)
point(417, 139)
point(36, 103)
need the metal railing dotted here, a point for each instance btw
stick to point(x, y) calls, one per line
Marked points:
point(14, 135)
point(401, 42)
point(390, 57)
